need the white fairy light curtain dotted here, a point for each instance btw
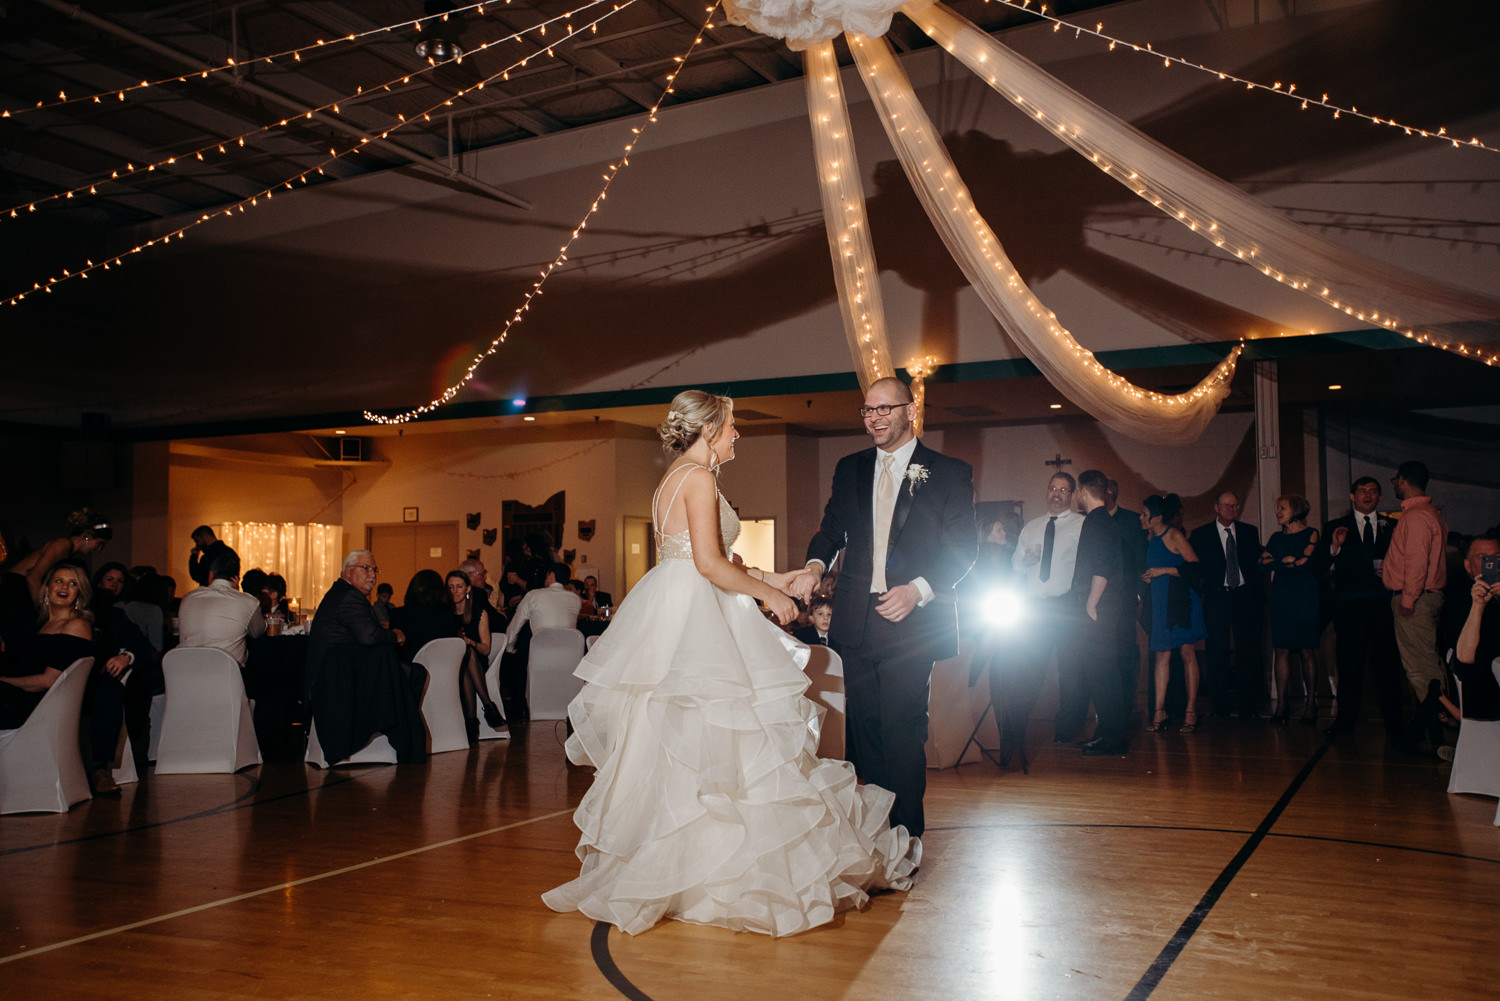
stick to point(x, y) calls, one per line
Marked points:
point(308, 556)
point(1362, 287)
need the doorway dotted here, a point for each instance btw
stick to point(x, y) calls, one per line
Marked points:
point(403, 549)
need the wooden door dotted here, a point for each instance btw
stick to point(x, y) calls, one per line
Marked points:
point(401, 550)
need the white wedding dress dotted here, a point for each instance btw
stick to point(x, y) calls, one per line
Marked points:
point(709, 803)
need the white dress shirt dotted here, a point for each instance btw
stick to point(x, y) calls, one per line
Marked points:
point(1064, 554)
point(221, 616)
point(550, 607)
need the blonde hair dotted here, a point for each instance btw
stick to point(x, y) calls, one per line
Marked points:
point(80, 602)
point(692, 410)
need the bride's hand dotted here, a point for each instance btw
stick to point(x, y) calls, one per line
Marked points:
point(781, 581)
point(782, 607)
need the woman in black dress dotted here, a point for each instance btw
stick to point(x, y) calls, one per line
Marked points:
point(66, 634)
point(474, 627)
point(1295, 622)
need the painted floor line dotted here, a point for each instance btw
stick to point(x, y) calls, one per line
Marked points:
point(278, 887)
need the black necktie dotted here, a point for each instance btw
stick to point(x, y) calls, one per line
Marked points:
point(1231, 560)
point(1048, 538)
point(1368, 535)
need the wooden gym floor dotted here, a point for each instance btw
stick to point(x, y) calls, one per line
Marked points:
point(1243, 862)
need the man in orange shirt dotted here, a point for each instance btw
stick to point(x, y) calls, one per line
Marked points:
point(1416, 571)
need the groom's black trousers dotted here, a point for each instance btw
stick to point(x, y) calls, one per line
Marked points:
point(886, 684)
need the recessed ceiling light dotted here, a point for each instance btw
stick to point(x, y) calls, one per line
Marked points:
point(1336, 386)
point(1056, 406)
point(528, 417)
point(341, 432)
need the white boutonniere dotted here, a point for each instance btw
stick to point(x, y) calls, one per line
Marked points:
point(916, 473)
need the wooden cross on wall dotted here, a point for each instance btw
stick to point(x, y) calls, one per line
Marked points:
point(1059, 462)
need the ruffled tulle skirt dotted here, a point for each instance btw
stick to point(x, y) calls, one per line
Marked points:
point(709, 803)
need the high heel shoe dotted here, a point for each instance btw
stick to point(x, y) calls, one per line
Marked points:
point(471, 730)
point(1278, 718)
point(1158, 722)
point(1189, 722)
point(1310, 711)
point(492, 716)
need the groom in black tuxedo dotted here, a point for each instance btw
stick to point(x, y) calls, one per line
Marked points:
point(903, 516)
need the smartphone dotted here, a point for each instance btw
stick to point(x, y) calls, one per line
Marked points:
point(1489, 568)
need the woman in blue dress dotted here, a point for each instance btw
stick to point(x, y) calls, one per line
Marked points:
point(1295, 624)
point(1176, 606)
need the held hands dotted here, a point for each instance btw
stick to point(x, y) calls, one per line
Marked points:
point(782, 607)
point(802, 582)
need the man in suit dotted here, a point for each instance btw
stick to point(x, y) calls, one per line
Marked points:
point(355, 685)
point(903, 517)
point(1231, 606)
point(1046, 551)
point(820, 619)
point(1351, 552)
point(1133, 552)
point(1097, 597)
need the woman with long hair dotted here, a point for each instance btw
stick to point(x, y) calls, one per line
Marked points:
point(86, 534)
point(474, 627)
point(65, 634)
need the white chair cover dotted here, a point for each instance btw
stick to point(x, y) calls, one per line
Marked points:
point(377, 752)
point(825, 674)
point(550, 684)
point(41, 768)
point(588, 641)
point(492, 685)
point(1476, 756)
point(158, 713)
point(441, 710)
point(207, 725)
point(124, 760)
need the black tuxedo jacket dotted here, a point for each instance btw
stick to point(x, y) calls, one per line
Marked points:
point(344, 618)
point(1351, 574)
point(809, 635)
point(933, 536)
point(1210, 552)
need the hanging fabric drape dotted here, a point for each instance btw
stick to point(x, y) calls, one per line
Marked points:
point(1072, 369)
point(1365, 288)
point(842, 189)
point(308, 556)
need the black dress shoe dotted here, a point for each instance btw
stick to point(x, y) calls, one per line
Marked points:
point(1099, 746)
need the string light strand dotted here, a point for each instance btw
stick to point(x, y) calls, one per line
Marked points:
point(266, 194)
point(1288, 90)
point(231, 143)
point(557, 262)
point(322, 44)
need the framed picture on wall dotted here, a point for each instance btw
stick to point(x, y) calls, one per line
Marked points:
point(409, 514)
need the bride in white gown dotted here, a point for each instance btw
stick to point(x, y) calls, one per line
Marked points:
point(709, 802)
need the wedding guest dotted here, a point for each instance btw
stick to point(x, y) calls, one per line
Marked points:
point(1098, 599)
point(204, 540)
point(87, 533)
point(1133, 555)
point(513, 577)
point(599, 599)
point(1295, 619)
point(1352, 551)
point(482, 593)
point(1229, 550)
point(1477, 644)
point(66, 634)
point(820, 619)
point(474, 627)
point(1173, 576)
point(425, 614)
point(354, 683)
point(126, 671)
point(274, 602)
point(383, 606)
point(144, 607)
point(1416, 572)
point(1044, 560)
point(219, 614)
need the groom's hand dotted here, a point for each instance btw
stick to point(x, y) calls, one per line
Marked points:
point(897, 603)
point(803, 583)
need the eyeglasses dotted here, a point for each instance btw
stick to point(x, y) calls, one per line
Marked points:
point(884, 410)
point(366, 567)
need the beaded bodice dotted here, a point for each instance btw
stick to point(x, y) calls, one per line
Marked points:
point(678, 545)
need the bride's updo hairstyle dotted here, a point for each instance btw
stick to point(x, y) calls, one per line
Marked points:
point(692, 410)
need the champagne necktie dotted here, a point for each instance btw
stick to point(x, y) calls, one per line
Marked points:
point(885, 504)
